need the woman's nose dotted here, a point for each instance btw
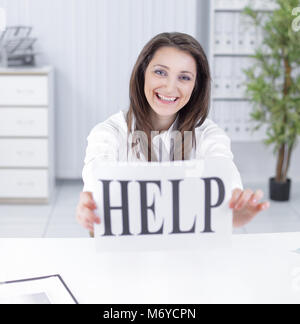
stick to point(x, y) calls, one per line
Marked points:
point(171, 85)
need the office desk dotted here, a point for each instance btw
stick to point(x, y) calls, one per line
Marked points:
point(258, 268)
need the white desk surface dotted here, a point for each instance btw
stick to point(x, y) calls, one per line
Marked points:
point(258, 268)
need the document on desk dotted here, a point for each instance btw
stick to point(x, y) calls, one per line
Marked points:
point(159, 206)
point(40, 290)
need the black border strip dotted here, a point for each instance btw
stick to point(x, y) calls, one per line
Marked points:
point(44, 277)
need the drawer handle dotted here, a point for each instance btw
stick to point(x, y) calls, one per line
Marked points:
point(25, 122)
point(25, 91)
point(28, 153)
point(25, 183)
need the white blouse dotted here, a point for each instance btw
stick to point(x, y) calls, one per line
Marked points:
point(107, 141)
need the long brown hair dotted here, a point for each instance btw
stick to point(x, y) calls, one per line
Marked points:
point(195, 111)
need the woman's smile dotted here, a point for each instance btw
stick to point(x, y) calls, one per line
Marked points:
point(166, 100)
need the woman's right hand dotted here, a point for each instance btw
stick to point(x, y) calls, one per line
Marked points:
point(85, 214)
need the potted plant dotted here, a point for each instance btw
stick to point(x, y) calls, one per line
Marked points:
point(273, 86)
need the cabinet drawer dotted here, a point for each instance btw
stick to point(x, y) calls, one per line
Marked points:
point(23, 90)
point(23, 152)
point(23, 183)
point(23, 122)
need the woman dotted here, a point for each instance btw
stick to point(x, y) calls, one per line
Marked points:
point(169, 92)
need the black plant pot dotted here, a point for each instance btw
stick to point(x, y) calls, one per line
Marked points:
point(279, 191)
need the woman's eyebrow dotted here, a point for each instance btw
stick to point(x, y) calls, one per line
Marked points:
point(166, 67)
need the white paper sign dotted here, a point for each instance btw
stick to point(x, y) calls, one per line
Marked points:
point(159, 206)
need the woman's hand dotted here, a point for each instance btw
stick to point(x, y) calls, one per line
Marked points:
point(245, 205)
point(85, 214)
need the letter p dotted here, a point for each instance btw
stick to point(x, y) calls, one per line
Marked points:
point(208, 203)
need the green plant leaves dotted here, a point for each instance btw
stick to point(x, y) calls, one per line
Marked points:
point(273, 82)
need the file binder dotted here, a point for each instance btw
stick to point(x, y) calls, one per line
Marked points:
point(234, 40)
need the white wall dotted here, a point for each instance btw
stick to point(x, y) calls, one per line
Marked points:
point(93, 45)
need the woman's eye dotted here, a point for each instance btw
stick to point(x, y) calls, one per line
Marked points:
point(164, 73)
point(160, 72)
point(185, 78)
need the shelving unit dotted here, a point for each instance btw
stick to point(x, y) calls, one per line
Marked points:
point(26, 135)
point(233, 40)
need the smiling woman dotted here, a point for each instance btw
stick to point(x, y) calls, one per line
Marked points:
point(169, 93)
point(170, 79)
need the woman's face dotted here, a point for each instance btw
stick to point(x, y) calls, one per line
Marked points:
point(169, 81)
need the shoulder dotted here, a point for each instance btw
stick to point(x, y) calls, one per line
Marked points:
point(106, 138)
point(212, 140)
point(208, 128)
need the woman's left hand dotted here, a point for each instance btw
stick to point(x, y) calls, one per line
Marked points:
point(245, 205)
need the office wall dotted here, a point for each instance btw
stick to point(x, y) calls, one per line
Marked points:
point(93, 45)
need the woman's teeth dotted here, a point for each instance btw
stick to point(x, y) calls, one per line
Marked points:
point(169, 99)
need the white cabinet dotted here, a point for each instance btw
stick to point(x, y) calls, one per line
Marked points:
point(26, 135)
point(233, 41)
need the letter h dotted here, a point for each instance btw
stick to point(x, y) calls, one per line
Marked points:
point(108, 207)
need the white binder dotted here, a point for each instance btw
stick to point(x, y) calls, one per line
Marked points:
point(217, 78)
point(227, 80)
point(227, 117)
point(228, 28)
point(216, 113)
point(240, 31)
point(218, 33)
